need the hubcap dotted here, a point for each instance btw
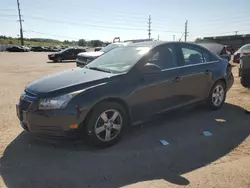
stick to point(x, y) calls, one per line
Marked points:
point(218, 95)
point(108, 125)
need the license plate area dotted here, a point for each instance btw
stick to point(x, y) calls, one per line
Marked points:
point(19, 113)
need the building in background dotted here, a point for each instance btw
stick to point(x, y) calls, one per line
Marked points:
point(236, 41)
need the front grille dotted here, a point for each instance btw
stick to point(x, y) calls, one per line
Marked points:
point(24, 105)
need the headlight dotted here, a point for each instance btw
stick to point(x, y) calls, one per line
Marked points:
point(56, 102)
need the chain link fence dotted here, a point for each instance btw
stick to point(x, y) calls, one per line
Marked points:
point(3, 47)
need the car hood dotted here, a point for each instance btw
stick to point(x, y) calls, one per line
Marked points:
point(244, 51)
point(54, 53)
point(76, 79)
point(90, 54)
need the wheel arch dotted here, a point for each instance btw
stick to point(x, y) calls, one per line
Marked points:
point(111, 99)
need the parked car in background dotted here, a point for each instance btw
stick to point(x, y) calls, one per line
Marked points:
point(217, 49)
point(66, 54)
point(123, 87)
point(38, 49)
point(230, 49)
point(86, 57)
point(244, 70)
point(244, 49)
point(97, 49)
point(16, 49)
point(26, 48)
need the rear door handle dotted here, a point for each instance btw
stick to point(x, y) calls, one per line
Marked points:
point(177, 79)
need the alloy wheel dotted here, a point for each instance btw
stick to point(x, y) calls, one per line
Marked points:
point(218, 95)
point(108, 125)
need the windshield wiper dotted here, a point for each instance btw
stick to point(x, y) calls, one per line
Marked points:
point(98, 69)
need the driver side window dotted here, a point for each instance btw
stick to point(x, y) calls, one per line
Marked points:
point(164, 57)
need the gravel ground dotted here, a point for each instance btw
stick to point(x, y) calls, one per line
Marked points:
point(191, 160)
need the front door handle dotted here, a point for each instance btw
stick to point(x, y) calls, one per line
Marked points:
point(177, 79)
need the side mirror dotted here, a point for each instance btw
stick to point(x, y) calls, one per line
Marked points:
point(151, 68)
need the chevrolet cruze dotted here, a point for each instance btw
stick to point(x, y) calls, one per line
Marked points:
point(123, 87)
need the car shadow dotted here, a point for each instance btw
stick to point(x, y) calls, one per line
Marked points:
point(30, 162)
point(64, 61)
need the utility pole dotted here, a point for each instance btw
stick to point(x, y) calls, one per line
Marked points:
point(186, 33)
point(236, 32)
point(20, 22)
point(149, 27)
point(158, 37)
point(173, 37)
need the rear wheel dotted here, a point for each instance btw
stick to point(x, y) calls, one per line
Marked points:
point(245, 82)
point(217, 95)
point(105, 124)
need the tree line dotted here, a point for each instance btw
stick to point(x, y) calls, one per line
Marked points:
point(80, 42)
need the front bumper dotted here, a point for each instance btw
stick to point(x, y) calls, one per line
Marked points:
point(51, 58)
point(49, 123)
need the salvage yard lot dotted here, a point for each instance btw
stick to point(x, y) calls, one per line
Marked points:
point(222, 160)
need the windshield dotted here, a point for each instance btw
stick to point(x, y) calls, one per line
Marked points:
point(245, 47)
point(111, 47)
point(119, 59)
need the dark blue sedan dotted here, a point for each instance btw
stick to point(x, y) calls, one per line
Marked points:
point(125, 86)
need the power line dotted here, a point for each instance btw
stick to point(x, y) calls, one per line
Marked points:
point(49, 34)
point(9, 15)
point(149, 27)
point(20, 22)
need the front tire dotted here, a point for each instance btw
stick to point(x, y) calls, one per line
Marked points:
point(217, 96)
point(105, 124)
point(59, 59)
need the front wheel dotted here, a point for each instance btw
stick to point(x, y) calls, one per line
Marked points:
point(105, 124)
point(59, 59)
point(217, 96)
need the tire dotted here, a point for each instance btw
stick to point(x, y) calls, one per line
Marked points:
point(244, 83)
point(217, 93)
point(98, 132)
point(59, 59)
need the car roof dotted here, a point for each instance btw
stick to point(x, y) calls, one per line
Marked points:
point(158, 43)
point(122, 43)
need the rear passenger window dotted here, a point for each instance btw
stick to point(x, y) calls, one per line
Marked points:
point(193, 55)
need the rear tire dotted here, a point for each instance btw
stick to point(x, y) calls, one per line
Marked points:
point(217, 96)
point(105, 124)
point(245, 82)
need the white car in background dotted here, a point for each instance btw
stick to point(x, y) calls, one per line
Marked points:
point(86, 57)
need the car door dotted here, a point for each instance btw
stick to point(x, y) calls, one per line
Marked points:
point(157, 91)
point(68, 54)
point(196, 72)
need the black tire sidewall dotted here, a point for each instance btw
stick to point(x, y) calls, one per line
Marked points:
point(59, 59)
point(210, 98)
point(91, 121)
point(244, 83)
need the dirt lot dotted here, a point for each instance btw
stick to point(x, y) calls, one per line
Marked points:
point(191, 160)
